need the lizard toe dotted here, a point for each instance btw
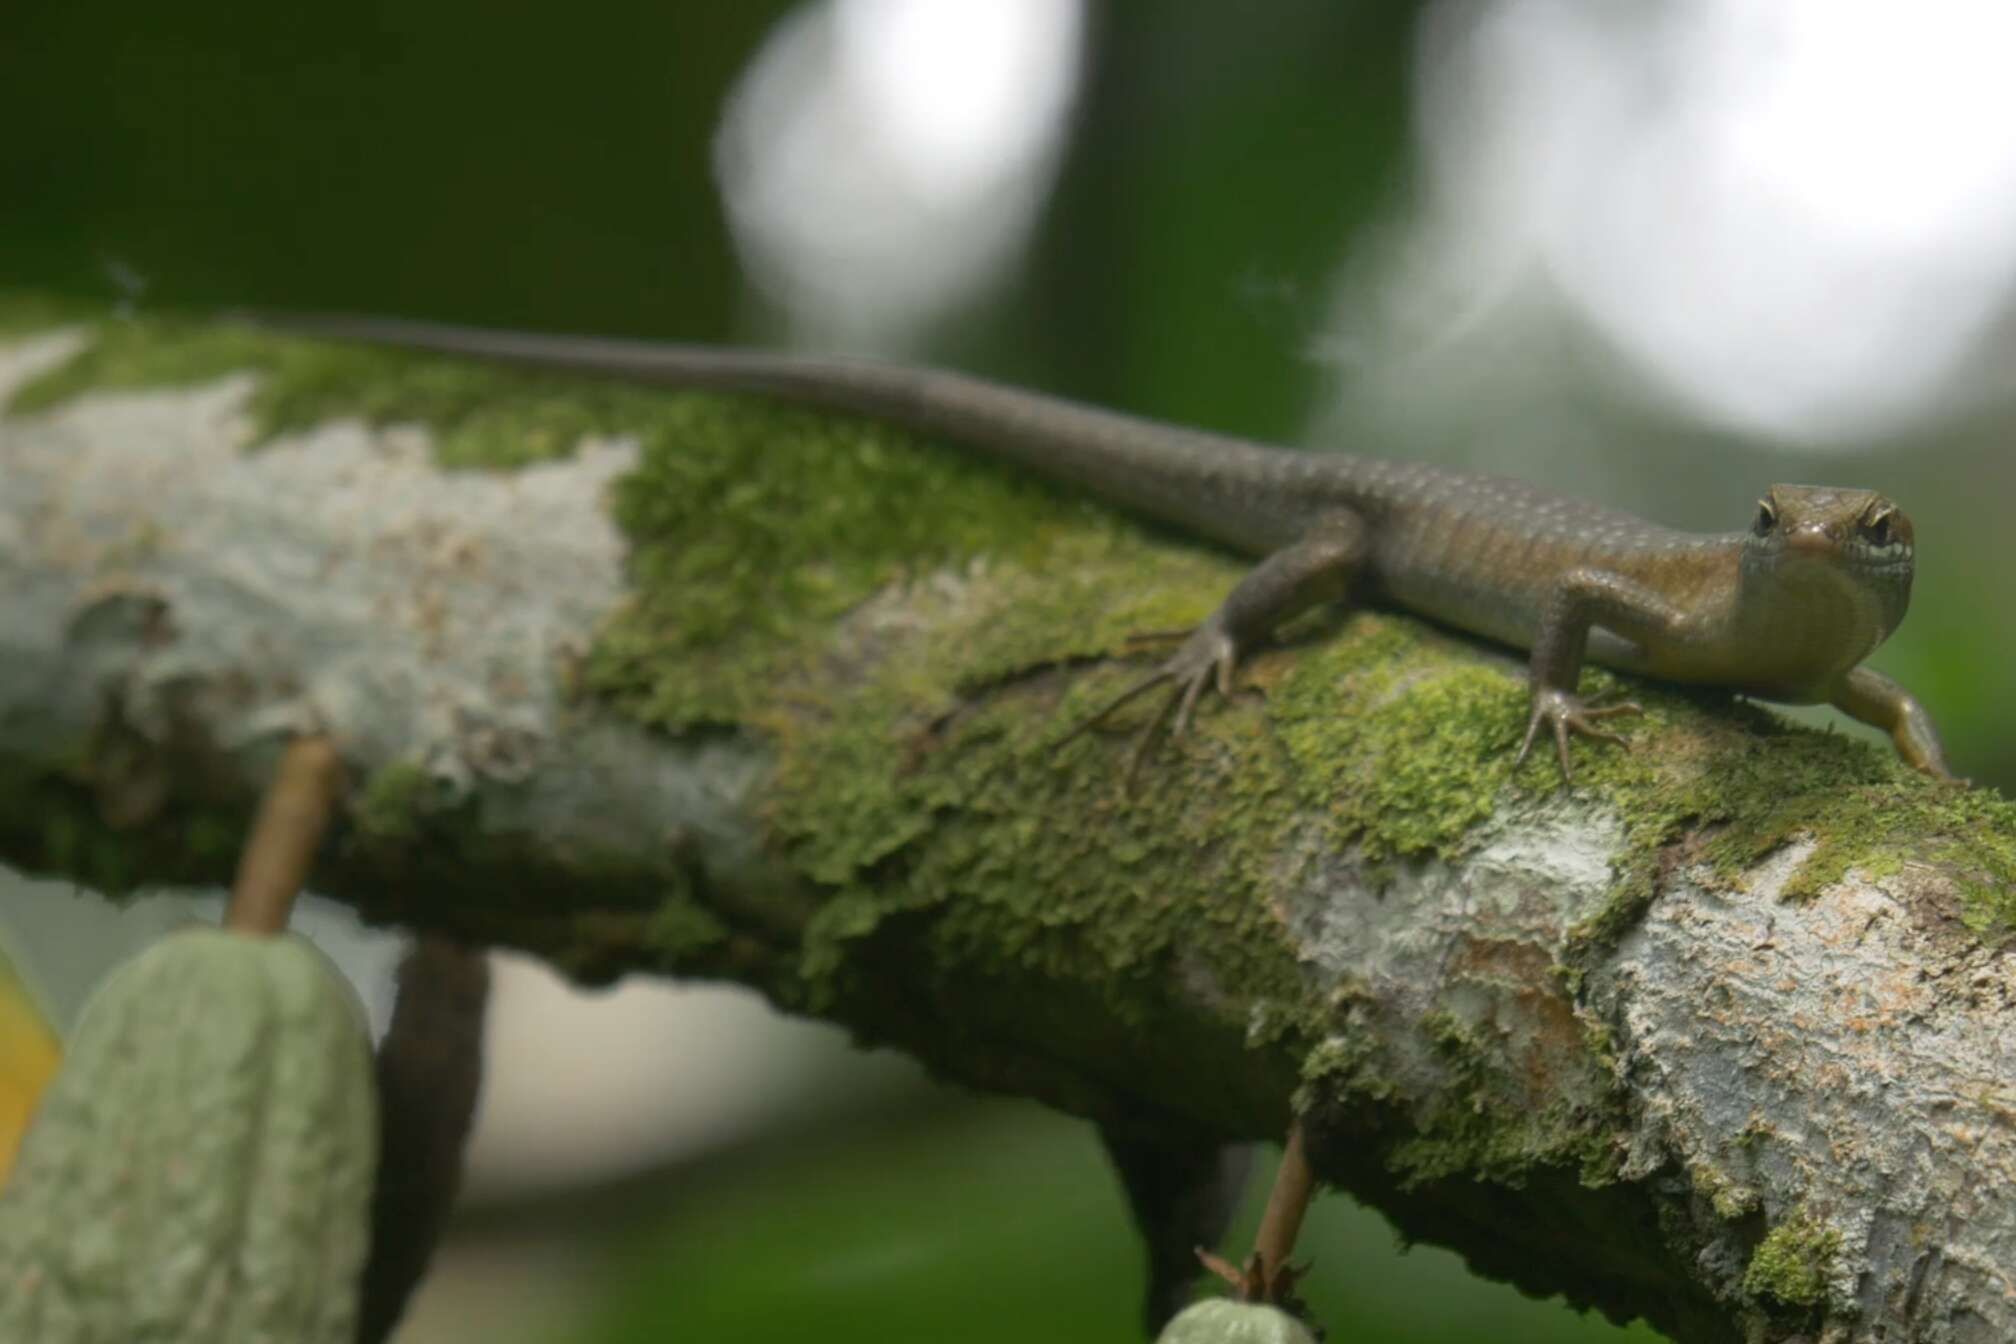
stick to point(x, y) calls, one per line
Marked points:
point(1207, 655)
point(1565, 714)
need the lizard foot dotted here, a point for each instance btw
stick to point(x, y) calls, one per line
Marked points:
point(1565, 712)
point(1207, 654)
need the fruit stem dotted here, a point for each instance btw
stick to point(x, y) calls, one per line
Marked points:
point(278, 853)
point(1294, 1184)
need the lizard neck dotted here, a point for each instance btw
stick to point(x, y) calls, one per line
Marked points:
point(1814, 617)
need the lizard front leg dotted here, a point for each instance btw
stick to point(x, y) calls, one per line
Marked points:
point(1580, 600)
point(1317, 568)
point(1875, 699)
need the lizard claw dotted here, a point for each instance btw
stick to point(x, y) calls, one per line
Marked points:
point(1207, 654)
point(1566, 713)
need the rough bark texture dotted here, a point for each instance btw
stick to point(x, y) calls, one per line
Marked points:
point(1725, 1037)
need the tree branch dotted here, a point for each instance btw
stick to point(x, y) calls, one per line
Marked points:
point(1724, 1037)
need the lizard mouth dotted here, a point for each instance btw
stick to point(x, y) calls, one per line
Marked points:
point(1866, 560)
point(1816, 552)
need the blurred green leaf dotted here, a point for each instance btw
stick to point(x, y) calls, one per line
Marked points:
point(1001, 1223)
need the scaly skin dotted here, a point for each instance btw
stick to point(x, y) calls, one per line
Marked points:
point(1785, 611)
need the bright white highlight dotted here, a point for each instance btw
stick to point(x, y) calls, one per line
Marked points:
point(883, 161)
point(1798, 217)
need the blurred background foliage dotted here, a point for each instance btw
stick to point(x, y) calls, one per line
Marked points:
point(1661, 255)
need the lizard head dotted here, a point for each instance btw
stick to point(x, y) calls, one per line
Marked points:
point(1818, 546)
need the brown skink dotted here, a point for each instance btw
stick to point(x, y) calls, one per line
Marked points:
point(1785, 610)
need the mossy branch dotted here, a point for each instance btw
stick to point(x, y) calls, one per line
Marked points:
point(677, 684)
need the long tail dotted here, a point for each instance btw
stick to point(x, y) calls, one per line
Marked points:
point(1179, 476)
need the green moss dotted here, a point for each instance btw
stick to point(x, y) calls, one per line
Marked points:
point(1345, 1061)
point(1033, 858)
point(1791, 1265)
point(1419, 772)
point(682, 931)
point(392, 804)
point(1730, 1198)
point(754, 528)
point(51, 821)
point(125, 354)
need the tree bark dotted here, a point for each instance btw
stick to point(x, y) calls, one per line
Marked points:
point(1724, 1036)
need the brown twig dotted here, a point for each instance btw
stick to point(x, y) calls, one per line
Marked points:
point(292, 817)
point(1294, 1185)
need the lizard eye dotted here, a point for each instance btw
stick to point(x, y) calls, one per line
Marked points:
point(1767, 518)
point(1879, 529)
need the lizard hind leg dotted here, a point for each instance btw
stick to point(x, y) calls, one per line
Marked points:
point(1207, 653)
point(1316, 568)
